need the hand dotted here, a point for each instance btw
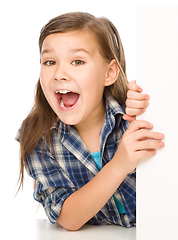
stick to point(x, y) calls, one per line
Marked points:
point(136, 102)
point(136, 145)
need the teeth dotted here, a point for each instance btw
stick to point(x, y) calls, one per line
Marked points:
point(62, 91)
point(62, 104)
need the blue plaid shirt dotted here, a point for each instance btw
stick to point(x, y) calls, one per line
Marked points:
point(70, 166)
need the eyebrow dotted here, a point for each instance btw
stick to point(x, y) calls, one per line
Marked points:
point(46, 51)
point(80, 50)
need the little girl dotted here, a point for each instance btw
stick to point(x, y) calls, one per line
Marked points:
point(75, 142)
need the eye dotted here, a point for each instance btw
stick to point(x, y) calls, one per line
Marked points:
point(77, 62)
point(50, 63)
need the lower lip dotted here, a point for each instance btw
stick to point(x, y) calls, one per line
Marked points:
point(67, 109)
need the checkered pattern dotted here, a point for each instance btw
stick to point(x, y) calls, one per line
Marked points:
point(70, 166)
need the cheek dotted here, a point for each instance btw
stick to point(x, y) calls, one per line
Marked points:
point(44, 79)
point(44, 86)
point(42, 82)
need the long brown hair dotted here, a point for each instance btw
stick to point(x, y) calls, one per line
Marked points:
point(42, 117)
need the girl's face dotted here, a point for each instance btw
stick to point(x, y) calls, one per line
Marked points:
point(73, 76)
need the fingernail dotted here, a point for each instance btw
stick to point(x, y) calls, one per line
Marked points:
point(160, 135)
point(154, 152)
point(161, 144)
point(147, 97)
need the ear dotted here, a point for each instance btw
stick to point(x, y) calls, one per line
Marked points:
point(112, 73)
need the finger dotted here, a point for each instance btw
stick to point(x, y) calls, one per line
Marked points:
point(145, 154)
point(134, 112)
point(146, 145)
point(130, 103)
point(137, 96)
point(143, 134)
point(129, 118)
point(134, 87)
point(139, 124)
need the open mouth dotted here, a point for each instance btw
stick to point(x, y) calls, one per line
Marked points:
point(66, 99)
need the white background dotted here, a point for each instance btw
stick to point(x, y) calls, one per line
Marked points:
point(20, 24)
point(157, 71)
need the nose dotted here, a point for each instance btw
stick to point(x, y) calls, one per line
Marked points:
point(61, 79)
point(61, 74)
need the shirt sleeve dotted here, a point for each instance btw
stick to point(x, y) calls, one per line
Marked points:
point(53, 186)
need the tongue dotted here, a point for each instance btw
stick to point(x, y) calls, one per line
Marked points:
point(69, 99)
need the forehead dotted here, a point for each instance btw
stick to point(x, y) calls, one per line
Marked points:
point(71, 40)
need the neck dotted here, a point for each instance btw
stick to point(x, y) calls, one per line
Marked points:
point(89, 130)
point(92, 123)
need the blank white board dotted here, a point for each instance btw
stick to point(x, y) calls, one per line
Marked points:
point(157, 74)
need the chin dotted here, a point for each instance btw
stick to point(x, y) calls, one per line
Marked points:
point(69, 121)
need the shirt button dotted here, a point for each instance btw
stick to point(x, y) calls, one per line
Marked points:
point(111, 214)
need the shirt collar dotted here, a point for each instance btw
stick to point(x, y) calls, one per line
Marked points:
point(112, 121)
point(113, 107)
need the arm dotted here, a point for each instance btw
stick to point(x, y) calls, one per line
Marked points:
point(83, 204)
point(136, 102)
